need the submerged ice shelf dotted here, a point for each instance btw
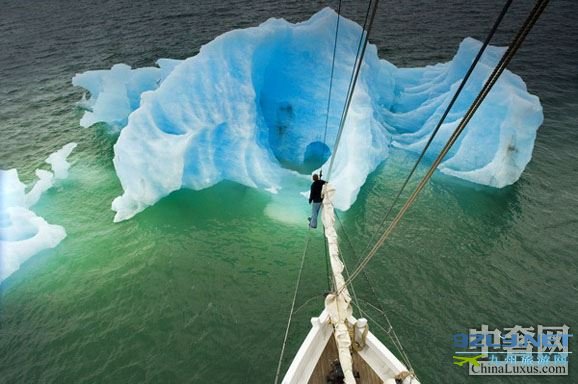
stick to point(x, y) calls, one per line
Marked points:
point(22, 232)
point(250, 108)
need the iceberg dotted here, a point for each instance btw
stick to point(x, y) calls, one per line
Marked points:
point(251, 107)
point(497, 143)
point(22, 232)
point(115, 93)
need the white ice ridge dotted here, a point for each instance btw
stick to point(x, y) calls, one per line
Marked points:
point(22, 232)
point(250, 108)
point(115, 93)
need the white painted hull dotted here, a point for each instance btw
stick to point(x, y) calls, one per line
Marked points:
point(376, 355)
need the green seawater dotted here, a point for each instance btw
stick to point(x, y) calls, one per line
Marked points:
point(197, 288)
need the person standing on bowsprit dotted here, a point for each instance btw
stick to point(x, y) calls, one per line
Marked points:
point(315, 199)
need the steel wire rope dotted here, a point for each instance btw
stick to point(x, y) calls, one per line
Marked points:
point(332, 71)
point(505, 60)
point(355, 74)
point(442, 119)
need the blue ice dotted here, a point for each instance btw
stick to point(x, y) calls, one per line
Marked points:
point(250, 107)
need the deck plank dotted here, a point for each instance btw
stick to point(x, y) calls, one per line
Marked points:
point(323, 367)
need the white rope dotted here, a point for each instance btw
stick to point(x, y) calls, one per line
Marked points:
point(292, 307)
point(307, 302)
point(394, 339)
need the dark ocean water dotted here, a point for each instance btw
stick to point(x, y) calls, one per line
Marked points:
point(197, 288)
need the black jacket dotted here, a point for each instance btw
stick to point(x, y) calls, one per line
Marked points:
point(315, 194)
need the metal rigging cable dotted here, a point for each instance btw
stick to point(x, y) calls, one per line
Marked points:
point(291, 312)
point(332, 70)
point(442, 119)
point(355, 74)
point(505, 60)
